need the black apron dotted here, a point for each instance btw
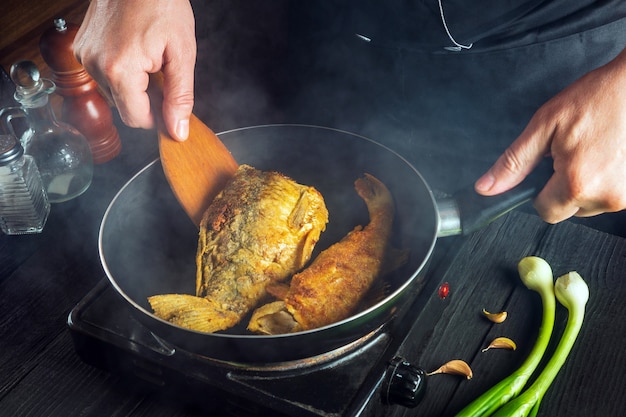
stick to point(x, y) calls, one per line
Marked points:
point(375, 69)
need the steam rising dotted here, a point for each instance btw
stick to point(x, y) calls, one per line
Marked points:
point(450, 114)
point(284, 62)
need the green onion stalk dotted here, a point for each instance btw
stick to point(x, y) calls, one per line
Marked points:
point(536, 274)
point(571, 291)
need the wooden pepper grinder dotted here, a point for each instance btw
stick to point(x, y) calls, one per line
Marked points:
point(83, 106)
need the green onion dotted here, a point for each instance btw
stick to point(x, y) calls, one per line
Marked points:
point(571, 291)
point(536, 275)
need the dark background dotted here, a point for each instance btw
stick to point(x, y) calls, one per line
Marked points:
point(449, 114)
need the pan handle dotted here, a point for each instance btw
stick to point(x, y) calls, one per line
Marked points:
point(467, 211)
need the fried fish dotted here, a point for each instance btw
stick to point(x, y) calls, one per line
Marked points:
point(334, 284)
point(262, 228)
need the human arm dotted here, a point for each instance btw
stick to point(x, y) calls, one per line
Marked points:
point(583, 129)
point(121, 42)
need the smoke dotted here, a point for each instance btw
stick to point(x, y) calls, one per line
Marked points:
point(294, 62)
point(241, 49)
point(450, 114)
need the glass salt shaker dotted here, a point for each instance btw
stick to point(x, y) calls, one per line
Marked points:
point(24, 205)
point(61, 152)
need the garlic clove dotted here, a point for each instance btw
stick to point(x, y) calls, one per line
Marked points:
point(454, 367)
point(495, 317)
point(501, 343)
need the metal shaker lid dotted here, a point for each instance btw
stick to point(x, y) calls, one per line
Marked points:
point(10, 149)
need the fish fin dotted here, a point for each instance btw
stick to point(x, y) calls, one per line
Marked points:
point(191, 312)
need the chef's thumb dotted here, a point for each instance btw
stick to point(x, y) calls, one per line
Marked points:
point(509, 170)
point(518, 160)
point(177, 106)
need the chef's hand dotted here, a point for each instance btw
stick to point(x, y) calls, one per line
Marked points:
point(583, 129)
point(121, 42)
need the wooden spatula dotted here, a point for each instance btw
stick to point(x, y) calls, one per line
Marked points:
point(196, 169)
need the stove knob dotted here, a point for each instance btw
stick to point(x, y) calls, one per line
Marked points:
point(406, 384)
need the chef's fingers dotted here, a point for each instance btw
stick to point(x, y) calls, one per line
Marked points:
point(572, 193)
point(555, 202)
point(518, 160)
point(178, 86)
point(131, 99)
point(122, 84)
point(178, 101)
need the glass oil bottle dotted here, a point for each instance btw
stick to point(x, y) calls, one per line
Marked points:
point(62, 154)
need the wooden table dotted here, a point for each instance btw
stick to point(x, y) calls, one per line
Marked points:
point(482, 274)
point(42, 277)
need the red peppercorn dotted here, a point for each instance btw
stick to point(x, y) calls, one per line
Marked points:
point(444, 290)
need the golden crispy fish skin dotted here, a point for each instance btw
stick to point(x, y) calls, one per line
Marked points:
point(333, 285)
point(261, 228)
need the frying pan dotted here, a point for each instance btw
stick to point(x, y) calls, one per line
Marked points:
point(147, 243)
